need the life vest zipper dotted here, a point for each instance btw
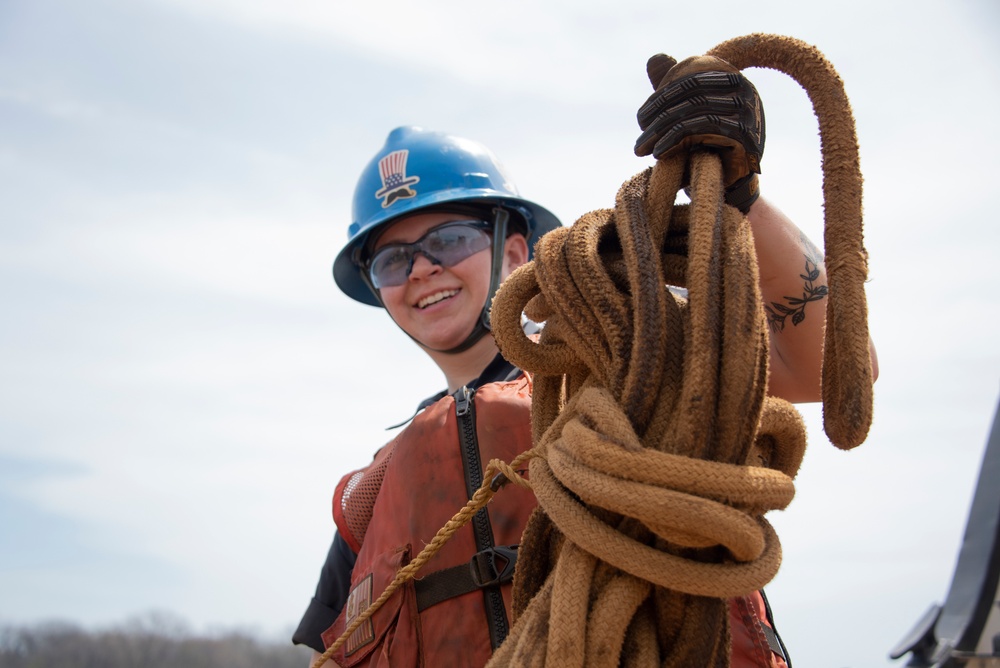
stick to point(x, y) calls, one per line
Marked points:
point(465, 414)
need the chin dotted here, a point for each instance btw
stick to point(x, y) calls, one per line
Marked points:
point(446, 341)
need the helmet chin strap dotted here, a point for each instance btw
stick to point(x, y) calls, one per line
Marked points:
point(482, 328)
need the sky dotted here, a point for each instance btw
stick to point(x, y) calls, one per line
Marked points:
point(182, 385)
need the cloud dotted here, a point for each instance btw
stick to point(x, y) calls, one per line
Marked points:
point(188, 384)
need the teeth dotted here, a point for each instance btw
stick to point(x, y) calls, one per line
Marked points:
point(435, 298)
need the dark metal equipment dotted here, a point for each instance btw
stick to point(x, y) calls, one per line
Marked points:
point(965, 631)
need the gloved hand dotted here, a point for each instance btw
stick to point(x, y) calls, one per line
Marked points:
point(705, 101)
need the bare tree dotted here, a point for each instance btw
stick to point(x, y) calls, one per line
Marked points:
point(155, 640)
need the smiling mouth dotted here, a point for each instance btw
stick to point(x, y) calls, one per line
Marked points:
point(435, 298)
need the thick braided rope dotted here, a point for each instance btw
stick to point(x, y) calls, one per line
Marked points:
point(645, 411)
point(591, 587)
point(847, 371)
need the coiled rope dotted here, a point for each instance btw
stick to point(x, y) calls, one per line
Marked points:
point(647, 407)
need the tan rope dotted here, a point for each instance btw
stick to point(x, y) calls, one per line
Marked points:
point(626, 435)
point(647, 409)
point(847, 372)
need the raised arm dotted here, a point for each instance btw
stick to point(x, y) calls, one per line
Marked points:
point(794, 290)
point(706, 102)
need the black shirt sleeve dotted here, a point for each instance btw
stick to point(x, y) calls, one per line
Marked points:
point(331, 595)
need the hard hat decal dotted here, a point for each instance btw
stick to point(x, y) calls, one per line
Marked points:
point(395, 183)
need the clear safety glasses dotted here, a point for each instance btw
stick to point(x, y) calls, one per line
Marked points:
point(445, 245)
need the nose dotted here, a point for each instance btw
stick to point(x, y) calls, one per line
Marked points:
point(422, 265)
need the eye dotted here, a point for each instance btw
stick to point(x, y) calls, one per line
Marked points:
point(392, 258)
point(446, 240)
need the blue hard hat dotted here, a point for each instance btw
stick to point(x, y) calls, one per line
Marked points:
point(418, 170)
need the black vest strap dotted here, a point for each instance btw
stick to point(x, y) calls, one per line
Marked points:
point(771, 633)
point(489, 568)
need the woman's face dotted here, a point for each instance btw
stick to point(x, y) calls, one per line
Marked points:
point(437, 305)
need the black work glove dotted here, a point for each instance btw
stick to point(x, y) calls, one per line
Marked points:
point(704, 101)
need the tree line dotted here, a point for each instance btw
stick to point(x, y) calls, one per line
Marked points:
point(151, 641)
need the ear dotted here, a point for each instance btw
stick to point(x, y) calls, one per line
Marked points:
point(515, 253)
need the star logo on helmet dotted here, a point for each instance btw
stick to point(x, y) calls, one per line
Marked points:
point(395, 183)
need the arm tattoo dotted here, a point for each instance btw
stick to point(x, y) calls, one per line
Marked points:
point(796, 306)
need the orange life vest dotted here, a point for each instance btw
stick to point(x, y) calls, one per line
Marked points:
point(389, 510)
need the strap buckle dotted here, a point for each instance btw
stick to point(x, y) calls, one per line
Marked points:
point(484, 569)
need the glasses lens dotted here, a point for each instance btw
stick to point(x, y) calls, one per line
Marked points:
point(390, 266)
point(450, 245)
point(446, 245)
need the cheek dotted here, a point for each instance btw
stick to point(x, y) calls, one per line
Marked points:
point(393, 299)
point(475, 270)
